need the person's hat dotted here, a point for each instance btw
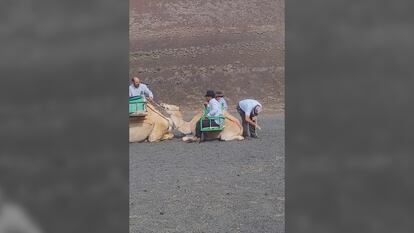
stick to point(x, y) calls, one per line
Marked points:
point(211, 94)
point(257, 109)
point(219, 94)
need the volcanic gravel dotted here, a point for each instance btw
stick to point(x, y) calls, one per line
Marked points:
point(214, 186)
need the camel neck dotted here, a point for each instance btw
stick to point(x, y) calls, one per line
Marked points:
point(179, 122)
point(157, 113)
point(177, 117)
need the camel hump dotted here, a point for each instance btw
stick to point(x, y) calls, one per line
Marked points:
point(152, 108)
point(232, 118)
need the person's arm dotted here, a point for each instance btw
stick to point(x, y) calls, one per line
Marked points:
point(214, 109)
point(250, 121)
point(247, 118)
point(148, 92)
point(225, 104)
point(130, 92)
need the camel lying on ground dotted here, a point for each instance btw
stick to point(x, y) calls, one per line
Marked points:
point(154, 126)
point(232, 127)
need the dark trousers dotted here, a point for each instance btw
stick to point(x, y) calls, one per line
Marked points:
point(248, 129)
point(206, 123)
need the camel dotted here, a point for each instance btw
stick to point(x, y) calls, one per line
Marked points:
point(154, 127)
point(232, 127)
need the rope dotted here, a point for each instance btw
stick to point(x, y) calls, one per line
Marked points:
point(156, 111)
point(170, 122)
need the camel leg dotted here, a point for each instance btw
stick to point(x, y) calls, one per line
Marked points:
point(234, 137)
point(189, 139)
point(158, 133)
point(167, 136)
point(154, 137)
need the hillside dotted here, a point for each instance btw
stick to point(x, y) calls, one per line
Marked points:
point(184, 47)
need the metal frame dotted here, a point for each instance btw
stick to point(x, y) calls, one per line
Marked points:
point(140, 112)
point(211, 128)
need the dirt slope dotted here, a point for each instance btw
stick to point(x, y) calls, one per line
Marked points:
point(184, 47)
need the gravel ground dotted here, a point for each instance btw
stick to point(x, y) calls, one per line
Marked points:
point(214, 186)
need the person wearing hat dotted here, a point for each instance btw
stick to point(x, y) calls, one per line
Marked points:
point(213, 109)
point(139, 89)
point(221, 100)
point(248, 110)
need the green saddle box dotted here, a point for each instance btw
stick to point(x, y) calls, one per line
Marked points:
point(137, 104)
point(211, 128)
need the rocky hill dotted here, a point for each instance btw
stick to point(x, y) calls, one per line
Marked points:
point(184, 47)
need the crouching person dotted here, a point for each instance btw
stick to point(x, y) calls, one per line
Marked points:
point(249, 109)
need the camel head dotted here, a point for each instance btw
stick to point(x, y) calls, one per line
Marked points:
point(169, 108)
point(177, 117)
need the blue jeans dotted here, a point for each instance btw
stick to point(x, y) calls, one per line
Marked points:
point(248, 129)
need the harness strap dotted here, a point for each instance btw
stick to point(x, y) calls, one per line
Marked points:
point(170, 122)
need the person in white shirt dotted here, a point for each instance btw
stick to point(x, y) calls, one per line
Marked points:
point(139, 89)
point(248, 110)
point(214, 109)
point(221, 100)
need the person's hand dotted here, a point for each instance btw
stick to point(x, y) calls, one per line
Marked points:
point(258, 127)
point(205, 104)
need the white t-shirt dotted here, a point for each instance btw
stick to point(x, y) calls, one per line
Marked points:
point(214, 109)
point(223, 102)
point(248, 105)
point(142, 90)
